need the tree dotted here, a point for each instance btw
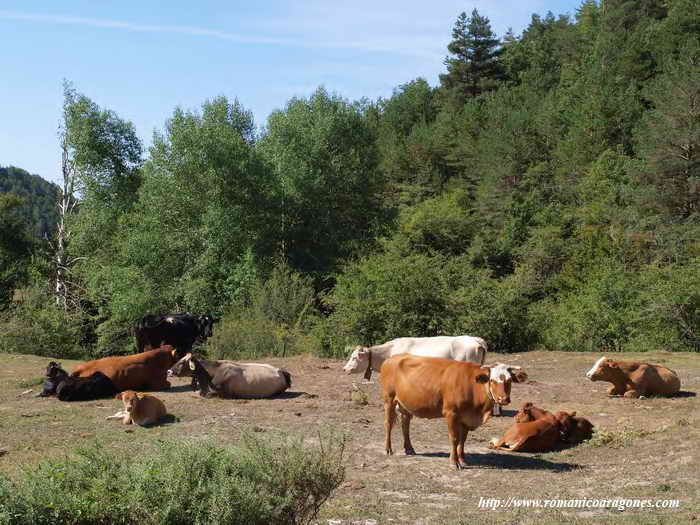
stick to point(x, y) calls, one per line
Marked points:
point(474, 66)
point(15, 246)
point(324, 159)
point(101, 155)
point(669, 138)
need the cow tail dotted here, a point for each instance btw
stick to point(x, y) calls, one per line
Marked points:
point(287, 378)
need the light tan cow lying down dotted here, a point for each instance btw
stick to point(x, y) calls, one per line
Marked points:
point(231, 380)
point(632, 379)
point(141, 409)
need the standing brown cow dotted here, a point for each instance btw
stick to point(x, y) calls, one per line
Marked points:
point(430, 387)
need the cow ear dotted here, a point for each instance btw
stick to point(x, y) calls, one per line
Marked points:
point(483, 378)
point(118, 396)
point(519, 376)
point(612, 364)
point(174, 353)
point(573, 414)
point(191, 363)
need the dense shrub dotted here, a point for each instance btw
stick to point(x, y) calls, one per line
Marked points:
point(255, 482)
point(34, 325)
point(274, 321)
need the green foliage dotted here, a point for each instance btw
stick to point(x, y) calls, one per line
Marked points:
point(39, 209)
point(255, 482)
point(277, 319)
point(15, 247)
point(324, 159)
point(473, 67)
point(34, 325)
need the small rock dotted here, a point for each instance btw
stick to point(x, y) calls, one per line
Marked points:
point(3, 452)
point(297, 413)
point(259, 429)
point(129, 430)
point(355, 485)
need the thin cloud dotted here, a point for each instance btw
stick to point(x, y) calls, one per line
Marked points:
point(383, 45)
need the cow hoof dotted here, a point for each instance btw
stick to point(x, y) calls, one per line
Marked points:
point(389, 452)
point(410, 452)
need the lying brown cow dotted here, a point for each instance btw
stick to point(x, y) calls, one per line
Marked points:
point(431, 387)
point(144, 371)
point(632, 379)
point(574, 433)
point(541, 435)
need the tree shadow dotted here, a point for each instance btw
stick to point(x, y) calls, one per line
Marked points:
point(507, 462)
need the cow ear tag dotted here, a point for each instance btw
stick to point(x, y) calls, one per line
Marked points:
point(191, 365)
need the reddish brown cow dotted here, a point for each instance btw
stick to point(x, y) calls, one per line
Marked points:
point(144, 371)
point(574, 432)
point(632, 379)
point(540, 435)
point(431, 387)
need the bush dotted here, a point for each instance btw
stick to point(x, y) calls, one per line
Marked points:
point(276, 321)
point(36, 326)
point(255, 482)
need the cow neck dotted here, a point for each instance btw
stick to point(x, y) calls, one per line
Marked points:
point(368, 372)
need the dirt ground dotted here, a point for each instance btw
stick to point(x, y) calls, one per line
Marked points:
point(648, 449)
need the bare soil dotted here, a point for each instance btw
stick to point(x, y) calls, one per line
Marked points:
point(648, 448)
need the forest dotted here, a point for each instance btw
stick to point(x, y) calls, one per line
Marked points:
point(544, 195)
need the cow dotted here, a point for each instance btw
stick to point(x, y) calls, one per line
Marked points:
point(141, 409)
point(431, 387)
point(54, 375)
point(631, 379)
point(543, 434)
point(95, 386)
point(145, 371)
point(577, 431)
point(234, 380)
point(463, 348)
point(177, 330)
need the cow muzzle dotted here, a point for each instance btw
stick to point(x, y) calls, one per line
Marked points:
point(503, 400)
point(170, 373)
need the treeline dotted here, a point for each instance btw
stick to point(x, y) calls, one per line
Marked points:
point(38, 210)
point(545, 195)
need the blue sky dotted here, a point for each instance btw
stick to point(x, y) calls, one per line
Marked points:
point(142, 59)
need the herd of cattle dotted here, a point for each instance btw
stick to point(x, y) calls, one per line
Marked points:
point(424, 377)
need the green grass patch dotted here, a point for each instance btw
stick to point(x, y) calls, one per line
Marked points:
point(258, 481)
point(617, 438)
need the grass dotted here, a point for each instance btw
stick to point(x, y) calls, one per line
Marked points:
point(29, 383)
point(617, 438)
point(199, 482)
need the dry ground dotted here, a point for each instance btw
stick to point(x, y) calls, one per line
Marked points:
point(654, 454)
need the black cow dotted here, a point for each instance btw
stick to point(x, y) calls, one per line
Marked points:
point(69, 388)
point(54, 375)
point(177, 330)
point(95, 386)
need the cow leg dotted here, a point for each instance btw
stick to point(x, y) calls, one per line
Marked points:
point(406, 429)
point(462, 438)
point(631, 394)
point(454, 431)
point(127, 419)
point(613, 391)
point(389, 419)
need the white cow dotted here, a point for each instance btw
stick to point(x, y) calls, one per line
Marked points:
point(465, 348)
point(459, 348)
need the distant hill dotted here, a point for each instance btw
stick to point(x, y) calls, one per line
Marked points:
point(41, 196)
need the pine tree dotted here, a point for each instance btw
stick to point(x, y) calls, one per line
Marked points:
point(473, 67)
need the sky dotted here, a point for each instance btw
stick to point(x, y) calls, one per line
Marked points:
point(143, 59)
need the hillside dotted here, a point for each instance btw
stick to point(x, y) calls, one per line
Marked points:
point(40, 208)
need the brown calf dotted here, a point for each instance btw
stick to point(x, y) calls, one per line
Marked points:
point(574, 432)
point(430, 387)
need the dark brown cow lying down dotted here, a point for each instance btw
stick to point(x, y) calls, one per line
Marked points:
point(582, 430)
point(632, 379)
point(144, 371)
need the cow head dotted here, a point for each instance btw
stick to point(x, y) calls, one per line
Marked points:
point(129, 398)
point(524, 415)
point(54, 370)
point(359, 360)
point(184, 367)
point(205, 325)
point(567, 424)
point(603, 370)
point(499, 378)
